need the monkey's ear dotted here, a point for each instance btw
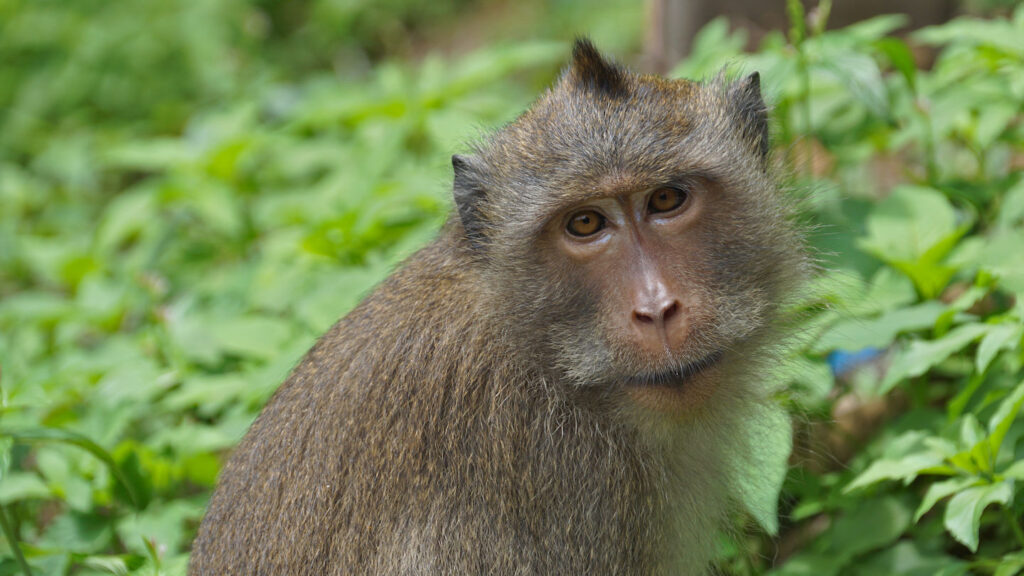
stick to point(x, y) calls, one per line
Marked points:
point(750, 111)
point(469, 195)
point(592, 71)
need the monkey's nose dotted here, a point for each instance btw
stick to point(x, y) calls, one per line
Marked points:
point(655, 322)
point(656, 314)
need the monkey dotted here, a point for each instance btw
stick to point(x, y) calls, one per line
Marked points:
point(553, 385)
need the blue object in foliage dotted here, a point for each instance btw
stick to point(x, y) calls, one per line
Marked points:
point(842, 362)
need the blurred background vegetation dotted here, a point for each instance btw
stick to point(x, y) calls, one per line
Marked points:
point(191, 192)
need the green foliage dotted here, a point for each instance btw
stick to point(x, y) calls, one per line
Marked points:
point(176, 229)
point(915, 192)
point(188, 197)
point(924, 264)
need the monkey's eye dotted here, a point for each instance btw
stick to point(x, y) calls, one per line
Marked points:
point(665, 200)
point(586, 223)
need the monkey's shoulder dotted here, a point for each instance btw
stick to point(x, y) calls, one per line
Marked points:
point(413, 337)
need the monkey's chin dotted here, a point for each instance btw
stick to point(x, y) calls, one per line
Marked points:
point(676, 390)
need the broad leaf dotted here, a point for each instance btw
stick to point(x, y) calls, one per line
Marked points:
point(940, 490)
point(1000, 337)
point(963, 513)
point(922, 355)
point(764, 469)
point(905, 470)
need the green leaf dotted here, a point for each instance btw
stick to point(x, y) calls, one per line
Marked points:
point(904, 469)
point(764, 468)
point(84, 533)
point(141, 488)
point(963, 513)
point(1011, 212)
point(998, 33)
point(975, 458)
point(899, 55)
point(908, 223)
point(1015, 470)
point(109, 564)
point(1001, 337)
point(879, 332)
point(17, 486)
point(73, 439)
point(1001, 421)
point(940, 490)
point(1010, 565)
point(869, 525)
point(993, 120)
point(149, 155)
point(920, 356)
point(971, 432)
point(913, 230)
point(908, 558)
point(258, 336)
point(125, 216)
point(929, 278)
point(713, 48)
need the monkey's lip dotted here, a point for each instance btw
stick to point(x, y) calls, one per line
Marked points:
point(677, 376)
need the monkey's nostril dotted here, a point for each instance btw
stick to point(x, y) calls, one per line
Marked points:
point(643, 317)
point(649, 316)
point(670, 310)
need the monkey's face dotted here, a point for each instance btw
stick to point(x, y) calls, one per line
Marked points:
point(631, 231)
point(649, 278)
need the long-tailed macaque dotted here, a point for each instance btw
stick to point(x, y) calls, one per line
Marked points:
point(555, 384)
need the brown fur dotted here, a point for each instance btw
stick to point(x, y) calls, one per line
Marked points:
point(468, 417)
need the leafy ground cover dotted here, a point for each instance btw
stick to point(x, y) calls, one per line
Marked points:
point(191, 192)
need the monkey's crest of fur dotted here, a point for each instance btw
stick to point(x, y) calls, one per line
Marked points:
point(469, 416)
point(591, 70)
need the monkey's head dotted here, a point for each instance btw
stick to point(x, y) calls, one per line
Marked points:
point(629, 227)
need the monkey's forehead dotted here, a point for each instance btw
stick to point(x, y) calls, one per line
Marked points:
point(576, 136)
point(642, 101)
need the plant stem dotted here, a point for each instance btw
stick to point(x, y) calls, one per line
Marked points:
point(931, 163)
point(12, 541)
point(797, 36)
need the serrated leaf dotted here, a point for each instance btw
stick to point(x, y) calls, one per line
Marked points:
point(922, 355)
point(905, 470)
point(110, 564)
point(963, 513)
point(940, 490)
point(764, 468)
point(1000, 337)
point(859, 333)
point(908, 223)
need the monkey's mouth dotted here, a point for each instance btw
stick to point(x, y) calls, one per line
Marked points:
point(679, 375)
